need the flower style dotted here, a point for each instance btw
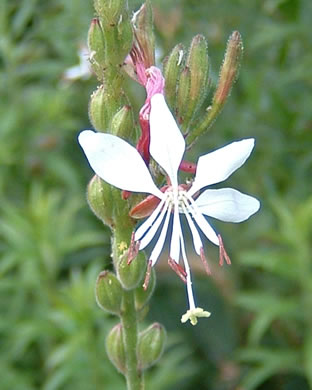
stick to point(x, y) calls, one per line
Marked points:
point(119, 164)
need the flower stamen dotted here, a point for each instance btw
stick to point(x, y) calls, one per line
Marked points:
point(222, 253)
point(148, 274)
point(177, 269)
point(133, 249)
point(204, 261)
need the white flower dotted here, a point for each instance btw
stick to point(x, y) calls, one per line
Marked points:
point(119, 164)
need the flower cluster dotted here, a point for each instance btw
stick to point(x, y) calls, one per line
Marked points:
point(120, 164)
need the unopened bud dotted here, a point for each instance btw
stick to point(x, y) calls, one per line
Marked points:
point(122, 123)
point(96, 46)
point(105, 101)
point(141, 295)
point(108, 292)
point(98, 109)
point(198, 64)
point(173, 65)
point(115, 348)
point(130, 275)
point(183, 94)
point(229, 68)
point(228, 75)
point(151, 345)
point(109, 10)
point(124, 38)
point(143, 26)
point(100, 199)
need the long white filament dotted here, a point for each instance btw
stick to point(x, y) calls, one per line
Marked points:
point(149, 222)
point(153, 229)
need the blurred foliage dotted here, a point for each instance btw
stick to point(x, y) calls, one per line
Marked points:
point(51, 247)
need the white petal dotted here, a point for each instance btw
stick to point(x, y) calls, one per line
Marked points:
point(167, 143)
point(227, 205)
point(117, 162)
point(217, 166)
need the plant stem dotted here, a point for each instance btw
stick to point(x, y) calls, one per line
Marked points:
point(130, 335)
point(129, 321)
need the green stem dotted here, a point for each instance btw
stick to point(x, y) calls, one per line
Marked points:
point(130, 336)
point(129, 321)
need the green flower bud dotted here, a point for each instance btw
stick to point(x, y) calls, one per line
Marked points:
point(198, 64)
point(96, 46)
point(109, 10)
point(104, 104)
point(124, 38)
point(98, 109)
point(115, 348)
point(100, 199)
point(151, 345)
point(182, 95)
point(130, 275)
point(143, 26)
point(229, 69)
point(108, 292)
point(142, 296)
point(122, 123)
point(172, 69)
point(228, 75)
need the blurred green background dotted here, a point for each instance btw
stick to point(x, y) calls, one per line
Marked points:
point(52, 334)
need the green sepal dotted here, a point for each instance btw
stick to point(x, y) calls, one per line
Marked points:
point(108, 292)
point(151, 344)
point(115, 348)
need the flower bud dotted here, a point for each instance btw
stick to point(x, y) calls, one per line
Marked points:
point(143, 26)
point(124, 39)
point(96, 46)
point(115, 348)
point(228, 75)
point(142, 296)
point(130, 275)
point(104, 103)
point(183, 94)
point(108, 292)
point(100, 199)
point(109, 11)
point(122, 123)
point(172, 69)
point(229, 69)
point(151, 345)
point(98, 109)
point(198, 64)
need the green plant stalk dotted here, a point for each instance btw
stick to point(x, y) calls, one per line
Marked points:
point(205, 124)
point(135, 380)
point(122, 235)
